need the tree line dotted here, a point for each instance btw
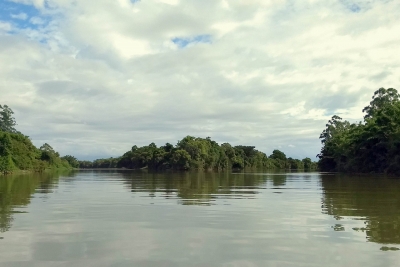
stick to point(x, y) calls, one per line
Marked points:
point(195, 153)
point(368, 146)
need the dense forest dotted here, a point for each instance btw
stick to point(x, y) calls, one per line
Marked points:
point(194, 153)
point(371, 146)
point(18, 153)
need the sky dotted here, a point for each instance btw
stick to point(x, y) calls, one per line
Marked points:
point(94, 78)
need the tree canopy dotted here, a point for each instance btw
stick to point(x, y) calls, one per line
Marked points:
point(369, 146)
point(7, 121)
point(200, 154)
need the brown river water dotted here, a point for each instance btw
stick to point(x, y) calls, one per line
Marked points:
point(137, 218)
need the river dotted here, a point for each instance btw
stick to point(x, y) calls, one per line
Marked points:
point(136, 218)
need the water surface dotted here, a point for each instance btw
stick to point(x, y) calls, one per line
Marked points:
point(128, 218)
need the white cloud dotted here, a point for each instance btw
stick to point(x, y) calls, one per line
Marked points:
point(5, 26)
point(37, 21)
point(100, 78)
point(21, 16)
point(35, 3)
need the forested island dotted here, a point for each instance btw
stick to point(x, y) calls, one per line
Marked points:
point(370, 146)
point(195, 153)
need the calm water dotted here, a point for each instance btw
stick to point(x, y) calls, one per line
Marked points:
point(122, 218)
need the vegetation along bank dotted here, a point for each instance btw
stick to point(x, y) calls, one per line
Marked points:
point(368, 146)
point(18, 153)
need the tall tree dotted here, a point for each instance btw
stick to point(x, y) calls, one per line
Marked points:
point(7, 121)
point(277, 154)
point(381, 98)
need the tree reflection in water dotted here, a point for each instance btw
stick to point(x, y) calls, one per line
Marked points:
point(16, 192)
point(374, 200)
point(196, 188)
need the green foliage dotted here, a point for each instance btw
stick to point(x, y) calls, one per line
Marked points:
point(204, 154)
point(309, 164)
point(6, 163)
point(17, 151)
point(280, 160)
point(380, 99)
point(85, 164)
point(180, 159)
point(52, 158)
point(73, 162)
point(7, 121)
point(371, 146)
point(277, 154)
point(295, 164)
point(105, 163)
point(39, 166)
point(24, 154)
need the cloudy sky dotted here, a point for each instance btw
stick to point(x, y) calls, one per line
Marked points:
point(93, 78)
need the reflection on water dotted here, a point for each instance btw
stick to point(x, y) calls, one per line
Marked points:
point(16, 192)
point(138, 218)
point(197, 188)
point(375, 201)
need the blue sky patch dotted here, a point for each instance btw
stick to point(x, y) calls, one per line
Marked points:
point(182, 42)
point(350, 5)
point(22, 16)
point(354, 8)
